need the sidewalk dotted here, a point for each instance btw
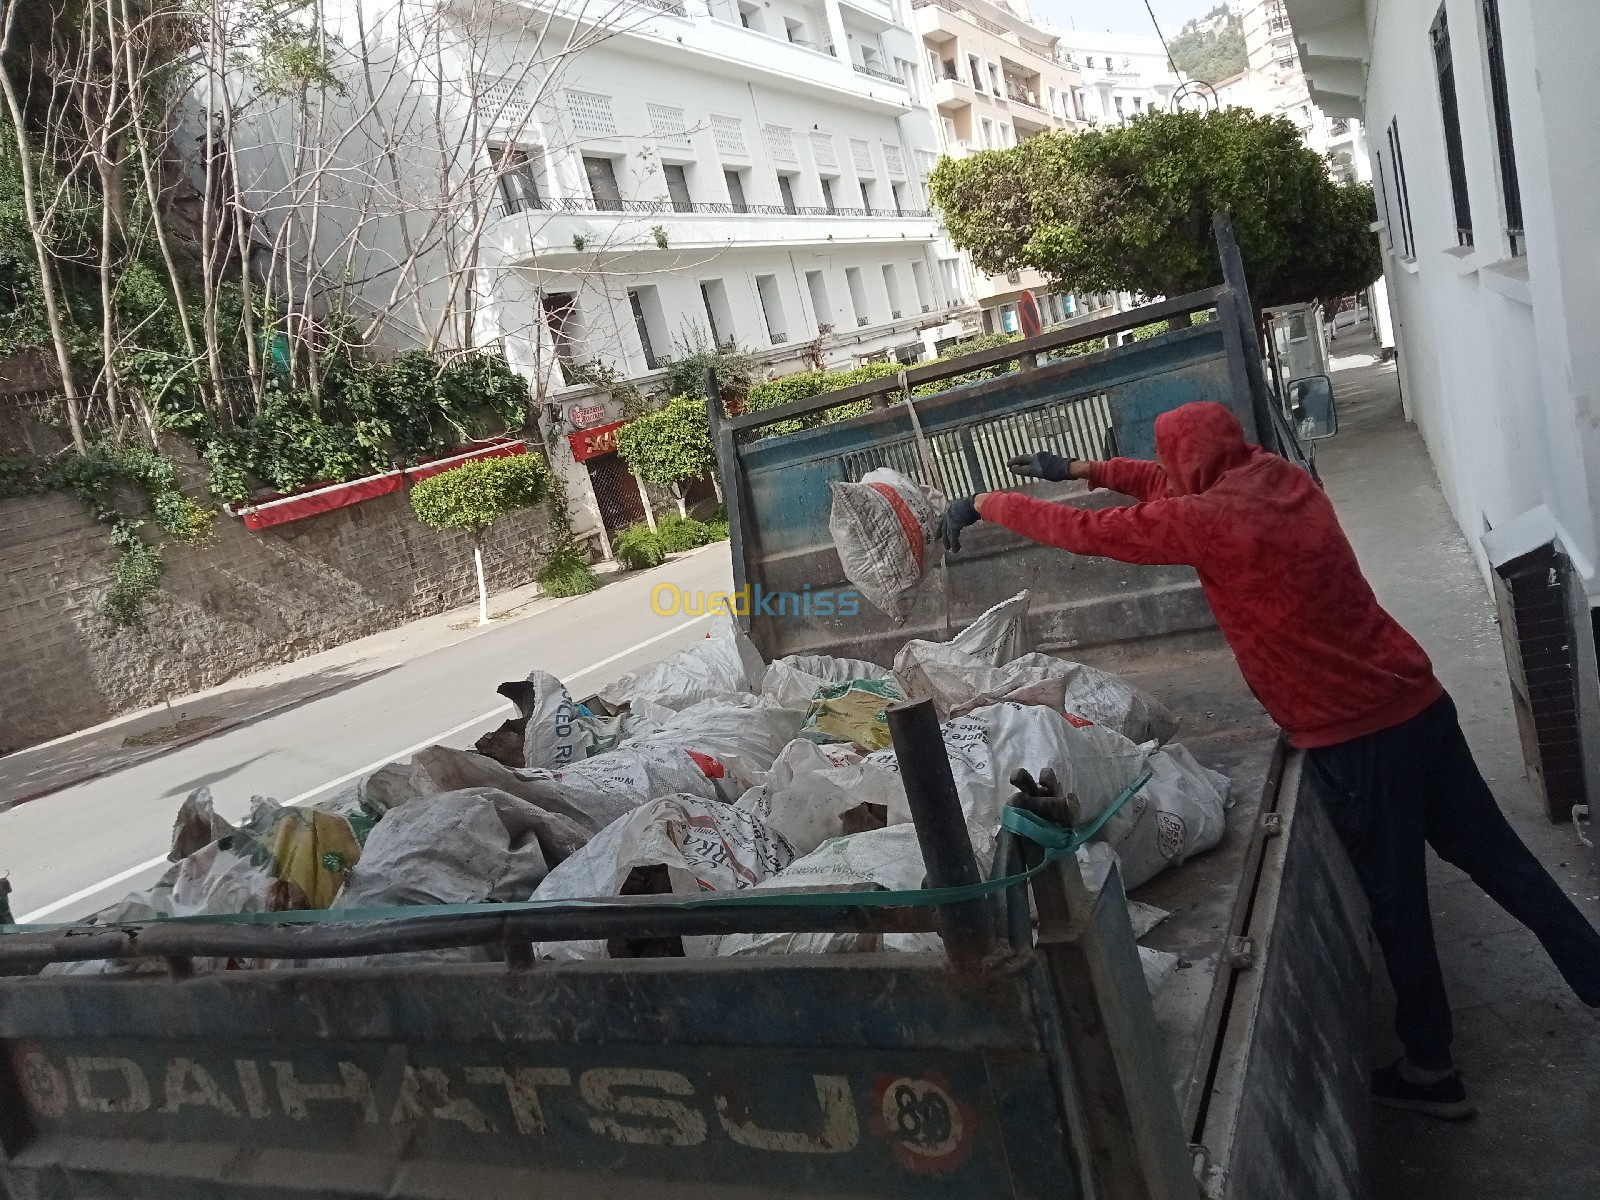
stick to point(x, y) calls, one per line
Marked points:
point(1529, 1052)
point(135, 737)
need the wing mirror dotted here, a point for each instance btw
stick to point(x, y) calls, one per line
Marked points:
point(1311, 408)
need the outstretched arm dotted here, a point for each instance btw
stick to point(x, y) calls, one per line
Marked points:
point(1136, 477)
point(1168, 530)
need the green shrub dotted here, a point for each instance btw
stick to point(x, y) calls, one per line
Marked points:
point(637, 547)
point(474, 494)
point(677, 534)
point(565, 573)
point(717, 530)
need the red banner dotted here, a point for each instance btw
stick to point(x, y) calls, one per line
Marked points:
point(592, 443)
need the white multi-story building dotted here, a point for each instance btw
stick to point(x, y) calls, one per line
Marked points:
point(1124, 75)
point(1488, 165)
point(998, 78)
point(678, 173)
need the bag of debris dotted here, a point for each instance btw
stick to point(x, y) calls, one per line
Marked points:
point(741, 736)
point(997, 636)
point(724, 663)
point(987, 746)
point(814, 793)
point(885, 529)
point(575, 804)
point(794, 680)
point(550, 729)
point(855, 712)
point(682, 845)
point(1180, 812)
point(456, 847)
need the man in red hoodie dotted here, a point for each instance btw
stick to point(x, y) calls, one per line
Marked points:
point(1344, 680)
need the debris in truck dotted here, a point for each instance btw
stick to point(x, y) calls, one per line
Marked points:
point(724, 663)
point(794, 680)
point(885, 529)
point(816, 792)
point(704, 846)
point(852, 712)
point(456, 847)
point(1180, 812)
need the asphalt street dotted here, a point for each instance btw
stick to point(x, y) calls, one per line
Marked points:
point(77, 850)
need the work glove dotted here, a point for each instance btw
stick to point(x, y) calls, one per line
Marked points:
point(958, 516)
point(1041, 464)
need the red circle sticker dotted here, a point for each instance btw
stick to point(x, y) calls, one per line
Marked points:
point(43, 1085)
point(928, 1130)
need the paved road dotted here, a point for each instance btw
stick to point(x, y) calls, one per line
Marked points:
point(77, 850)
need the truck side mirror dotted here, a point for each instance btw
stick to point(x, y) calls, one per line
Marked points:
point(1311, 408)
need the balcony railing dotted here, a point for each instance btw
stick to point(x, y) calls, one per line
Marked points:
point(666, 6)
point(877, 74)
point(587, 205)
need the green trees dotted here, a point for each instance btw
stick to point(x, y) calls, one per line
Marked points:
point(1129, 208)
point(1211, 55)
point(670, 446)
point(475, 495)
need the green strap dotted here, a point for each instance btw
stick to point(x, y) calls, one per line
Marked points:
point(1057, 842)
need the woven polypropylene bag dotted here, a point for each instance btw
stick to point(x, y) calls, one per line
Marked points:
point(885, 529)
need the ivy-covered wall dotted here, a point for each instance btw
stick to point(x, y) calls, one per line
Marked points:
point(234, 603)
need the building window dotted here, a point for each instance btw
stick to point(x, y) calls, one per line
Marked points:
point(603, 190)
point(1380, 172)
point(735, 182)
point(519, 187)
point(750, 16)
point(649, 320)
point(994, 80)
point(987, 126)
point(820, 306)
point(715, 298)
point(858, 294)
point(891, 287)
point(1118, 102)
point(827, 193)
point(772, 309)
point(786, 193)
point(1402, 197)
point(561, 318)
point(1445, 69)
point(1510, 186)
point(976, 68)
point(866, 196)
point(795, 31)
point(678, 187)
point(899, 200)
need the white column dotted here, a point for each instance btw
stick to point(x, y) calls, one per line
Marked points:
point(841, 41)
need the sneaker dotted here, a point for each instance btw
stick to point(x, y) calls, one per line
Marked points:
point(1445, 1100)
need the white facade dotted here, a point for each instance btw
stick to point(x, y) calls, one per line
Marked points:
point(1124, 75)
point(633, 186)
point(1495, 314)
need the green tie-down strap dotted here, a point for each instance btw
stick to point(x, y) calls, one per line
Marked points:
point(1057, 841)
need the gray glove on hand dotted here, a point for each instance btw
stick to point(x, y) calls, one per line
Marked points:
point(1041, 464)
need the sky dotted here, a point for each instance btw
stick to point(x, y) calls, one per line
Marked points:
point(1120, 16)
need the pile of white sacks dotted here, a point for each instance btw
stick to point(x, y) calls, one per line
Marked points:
point(715, 772)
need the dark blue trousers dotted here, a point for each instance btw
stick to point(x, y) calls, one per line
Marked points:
point(1390, 793)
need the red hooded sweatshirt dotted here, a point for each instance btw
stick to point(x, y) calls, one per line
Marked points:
point(1325, 660)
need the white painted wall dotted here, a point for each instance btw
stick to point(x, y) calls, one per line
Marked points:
point(1500, 365)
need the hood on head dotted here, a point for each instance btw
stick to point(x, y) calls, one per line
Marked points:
point(1198, 442)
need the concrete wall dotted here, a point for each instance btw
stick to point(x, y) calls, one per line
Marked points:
point(237, 603)
point(1500, 366)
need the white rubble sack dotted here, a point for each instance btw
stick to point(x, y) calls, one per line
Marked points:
point(557, 734)
point(987, 746)
point(705, 845)
point(724, 663)
point(998, 635)
point(885, 528)
point(792, 681)
point(743, 734)
point(1180, 812)
point(456, 847)
point(810, 789)
point(588, 797)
